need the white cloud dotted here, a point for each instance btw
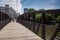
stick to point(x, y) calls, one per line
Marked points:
point(50, 4)
point(49, 7)
point(15, 4)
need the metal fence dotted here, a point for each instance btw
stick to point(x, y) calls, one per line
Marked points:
point(47, 30)
point(4, 23)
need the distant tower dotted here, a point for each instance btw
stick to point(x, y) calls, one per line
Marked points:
point(25, 10)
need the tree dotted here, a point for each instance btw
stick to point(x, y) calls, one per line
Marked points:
point(41, 9)
point(50, 19)
point(58, 19)
point(31, 9)
point(38, 16)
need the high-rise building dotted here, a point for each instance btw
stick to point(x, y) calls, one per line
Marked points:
point(9, 11)
point(6, 8)
point(25, 10)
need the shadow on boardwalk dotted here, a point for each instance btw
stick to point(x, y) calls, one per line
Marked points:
point(3, 24)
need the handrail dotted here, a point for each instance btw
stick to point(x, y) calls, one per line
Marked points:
point(25, 20)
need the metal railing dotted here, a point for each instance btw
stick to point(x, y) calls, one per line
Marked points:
point(4, 23)
point(42, 29)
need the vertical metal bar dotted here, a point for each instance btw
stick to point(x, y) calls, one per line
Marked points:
point(24, 20)
point(33, 27)
point(43, 31)
point(1, 15)
point(56, 32)
point(43, 26)
point(25, 16)
point(28, 17)
point(38, 28)
point(29, 21)
point(33, 22)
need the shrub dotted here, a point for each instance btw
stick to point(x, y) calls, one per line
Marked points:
point(58, 18)
point(38, 16)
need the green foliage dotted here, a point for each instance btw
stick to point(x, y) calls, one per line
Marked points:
point(49, 16)
point(58, 18)
point(38, 16)
point(41, 9)
point(31, 9)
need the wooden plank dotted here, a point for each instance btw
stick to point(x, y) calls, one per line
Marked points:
point(16, 31)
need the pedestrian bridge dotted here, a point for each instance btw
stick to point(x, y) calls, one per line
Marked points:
point(26, 26)
point(16, 31)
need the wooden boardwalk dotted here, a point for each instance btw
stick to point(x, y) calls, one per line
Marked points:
point(16, 31)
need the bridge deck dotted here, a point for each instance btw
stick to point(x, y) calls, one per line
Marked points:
point(16, 31)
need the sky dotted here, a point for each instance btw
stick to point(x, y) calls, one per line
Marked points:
point(19, 5)
point(41, 4)
point(15, 4)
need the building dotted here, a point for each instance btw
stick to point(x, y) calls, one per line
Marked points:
point(25, 10)
point(9, 11)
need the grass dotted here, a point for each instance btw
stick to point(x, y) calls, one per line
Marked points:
point(50, 29)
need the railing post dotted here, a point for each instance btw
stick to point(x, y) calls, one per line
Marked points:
point(56, 32)
point(28, 17)
point(26, 20)
point(24, 17)
point(33, 19)
point(29, 21)
point(43, 25)
point(1, 15)
point(38, 27)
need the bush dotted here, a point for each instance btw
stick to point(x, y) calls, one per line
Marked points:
point(49, 16)
point(58, 18)
point(38, 16)
point(50, 19)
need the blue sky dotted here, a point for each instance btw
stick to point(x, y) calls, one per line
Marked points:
point(19, 5)
point(41, 4)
